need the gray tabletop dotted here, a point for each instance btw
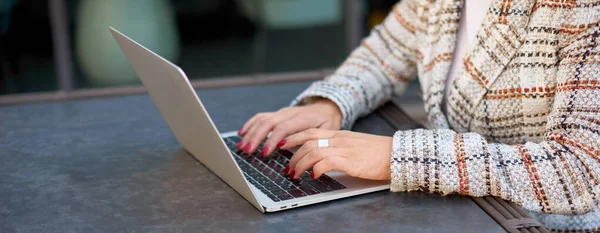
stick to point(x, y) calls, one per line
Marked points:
point(113, 165)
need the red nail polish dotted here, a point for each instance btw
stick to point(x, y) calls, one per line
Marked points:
point(287, 169)
point(292, 174)
point(281, 143)
point(312, 175)
point(247, 148)
point(264, 151)
point(240, 132)
point(239, 145)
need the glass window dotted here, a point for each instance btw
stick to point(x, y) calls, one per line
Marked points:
point(26, 51)
point(207, 38)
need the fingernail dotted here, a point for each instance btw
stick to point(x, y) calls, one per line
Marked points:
point(292, 174)
point(287, 169)
point(247, 148)
point(281, 143)
point(239, 145)
point(312, 175)
point(240, 132)
point(264, 151)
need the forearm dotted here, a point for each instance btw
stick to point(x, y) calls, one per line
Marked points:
point(549, 177)
point(381, 67)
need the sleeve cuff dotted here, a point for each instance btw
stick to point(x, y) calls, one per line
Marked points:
point(400, 168)
point(422, 160)
point(341, 96)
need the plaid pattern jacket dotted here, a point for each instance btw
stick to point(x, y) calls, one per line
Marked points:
point(522, 120)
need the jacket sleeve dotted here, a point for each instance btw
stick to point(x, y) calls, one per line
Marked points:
point(558, 175)
point(382, 66)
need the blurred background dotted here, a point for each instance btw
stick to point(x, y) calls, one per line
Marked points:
point(49, 46)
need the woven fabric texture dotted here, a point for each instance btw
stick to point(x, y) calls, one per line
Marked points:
point(522, 120)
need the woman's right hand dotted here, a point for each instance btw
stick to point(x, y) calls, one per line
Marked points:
point(322, 114)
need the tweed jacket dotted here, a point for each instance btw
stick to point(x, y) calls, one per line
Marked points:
point(522, 120)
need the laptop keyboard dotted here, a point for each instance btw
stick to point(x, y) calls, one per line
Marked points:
point(267, 174)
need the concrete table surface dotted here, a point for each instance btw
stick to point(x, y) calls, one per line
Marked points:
point(113, 165)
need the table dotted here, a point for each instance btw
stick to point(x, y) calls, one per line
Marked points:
point(113, 165)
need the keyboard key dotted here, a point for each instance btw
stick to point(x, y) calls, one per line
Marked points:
point(297, 193)
point(281, 159)
point(244, 166)
point(263, 168)
point(278, 179)
point(332, 183)
point(235, 139)
point(279, 169)
point(309, 190)
point(304, 185)
point(238, 160)
point(288, 178)
point(281, 181)
point(276, 189)
point(306, 176)
point(318, 185)
point(285, 196)
point(255, 162)
point(263, 181)
point(278, 192)
point(244, 156)
point(253, 173)
point(266, 181)
point(256, 153)
point(262, 188)
point(272, 187)
point(273, 197)
point(232, 149)
point(272, 175)
point(287, 186)
point(271, 163)
point(247, 170)
point(298, 182)
point(269, 185)
point(286, 153)
point(325, 178)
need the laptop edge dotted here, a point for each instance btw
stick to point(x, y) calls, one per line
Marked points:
point(193, 127)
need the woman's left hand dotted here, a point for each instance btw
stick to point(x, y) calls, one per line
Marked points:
point(357, 154)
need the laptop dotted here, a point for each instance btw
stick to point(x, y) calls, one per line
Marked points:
point(260, 181)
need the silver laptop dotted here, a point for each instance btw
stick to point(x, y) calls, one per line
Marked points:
point(261, 181)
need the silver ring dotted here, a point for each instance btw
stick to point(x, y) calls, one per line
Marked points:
point(323, 142)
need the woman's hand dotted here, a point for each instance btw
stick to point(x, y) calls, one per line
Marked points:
point(360, 155)
point(322, 114)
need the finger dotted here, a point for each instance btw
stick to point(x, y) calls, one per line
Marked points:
point(242, 131)
point(313, 157)
point(260, 129)
point(306, 135)
point(248, 127)
point(311, 145)
point(338, 163)
point(250, 122)
point(284, 129)
point(301, 152)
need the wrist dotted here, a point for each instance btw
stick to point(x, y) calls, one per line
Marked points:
point(331, 109)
